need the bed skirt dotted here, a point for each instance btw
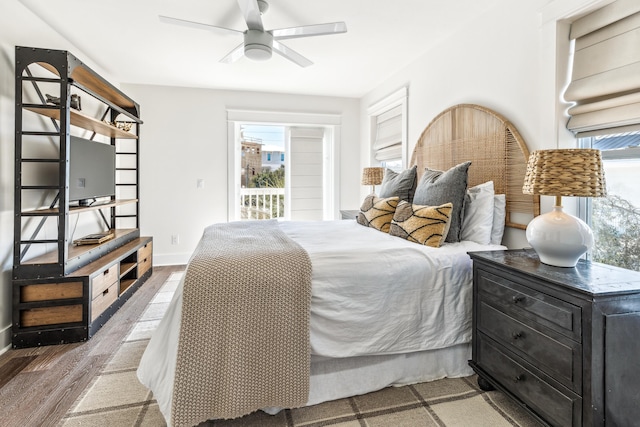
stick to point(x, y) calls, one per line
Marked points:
point(338, 378)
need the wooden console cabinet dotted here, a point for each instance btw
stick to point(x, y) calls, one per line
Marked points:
point(74, 307)
point(563, 342)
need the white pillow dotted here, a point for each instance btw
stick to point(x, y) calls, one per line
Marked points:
point(477, 223)
point(499, 215)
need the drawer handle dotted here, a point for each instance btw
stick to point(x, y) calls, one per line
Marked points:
point(106, 291)
point(518, 378)
point(104, 273)
point(517, 299)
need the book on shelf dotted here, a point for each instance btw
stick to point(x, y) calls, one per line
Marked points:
point(94, 239)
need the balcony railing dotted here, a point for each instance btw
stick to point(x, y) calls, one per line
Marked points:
point(261, 203)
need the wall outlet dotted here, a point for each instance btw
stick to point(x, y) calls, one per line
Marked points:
point(175, 239)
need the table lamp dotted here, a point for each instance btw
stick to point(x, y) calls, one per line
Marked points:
point(372, 176)
point(558, 238)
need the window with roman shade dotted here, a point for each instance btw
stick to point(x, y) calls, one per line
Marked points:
point(388, 119)
point(388, 141)
point(605, 82)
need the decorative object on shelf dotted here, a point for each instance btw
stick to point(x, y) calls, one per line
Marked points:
point(561, 239)
point(75, 102)
point(125, 126)
point(372, 176)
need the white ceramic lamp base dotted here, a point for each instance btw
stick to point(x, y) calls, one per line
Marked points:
point(558, 238)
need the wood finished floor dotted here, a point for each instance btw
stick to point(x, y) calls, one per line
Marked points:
point(39, 385)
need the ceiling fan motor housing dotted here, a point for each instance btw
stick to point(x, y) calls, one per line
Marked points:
point(257, 45)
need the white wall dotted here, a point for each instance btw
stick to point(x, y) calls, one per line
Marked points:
point(510, 59)
point(184, 138)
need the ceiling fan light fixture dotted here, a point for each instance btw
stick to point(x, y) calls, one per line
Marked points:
point(257, 52)
point(257, 45)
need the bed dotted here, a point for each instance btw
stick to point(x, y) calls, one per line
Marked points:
point(382, 310)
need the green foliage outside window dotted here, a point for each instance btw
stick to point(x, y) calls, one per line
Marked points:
point(616, 227)
point(270, 206)
point(270, 179)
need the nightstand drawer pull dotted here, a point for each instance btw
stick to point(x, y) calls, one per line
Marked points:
point(517, 335)
point(517, 298)
point(518, 378)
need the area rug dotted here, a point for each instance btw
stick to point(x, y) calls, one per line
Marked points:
point(116, 398)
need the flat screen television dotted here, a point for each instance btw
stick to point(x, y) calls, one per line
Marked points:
point(92, 170)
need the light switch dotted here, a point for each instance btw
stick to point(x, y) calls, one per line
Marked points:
point(200, 183)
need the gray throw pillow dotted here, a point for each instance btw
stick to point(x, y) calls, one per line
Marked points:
point(437, 188)
point(401, 185)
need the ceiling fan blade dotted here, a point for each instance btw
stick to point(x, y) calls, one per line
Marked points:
point(197, 25)
point(290, 54)
point(310, 30)
point(234, 55)
point(251, 13)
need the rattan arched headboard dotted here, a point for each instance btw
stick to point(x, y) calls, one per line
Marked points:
point(468, 132)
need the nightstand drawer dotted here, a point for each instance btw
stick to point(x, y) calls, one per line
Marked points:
point(557, 407)
point(562, 361)
point(529, 305)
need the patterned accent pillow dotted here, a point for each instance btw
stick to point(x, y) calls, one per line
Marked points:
point(377, 213)
point(427, 225)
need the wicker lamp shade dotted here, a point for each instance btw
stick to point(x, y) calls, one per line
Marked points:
point(565, 172)
point(372, 176)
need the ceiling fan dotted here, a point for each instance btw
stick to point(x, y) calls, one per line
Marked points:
point(259, 44)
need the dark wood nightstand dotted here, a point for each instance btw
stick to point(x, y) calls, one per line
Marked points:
point(349, 214)
point(564, 342)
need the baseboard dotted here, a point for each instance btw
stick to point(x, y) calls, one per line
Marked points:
point(5, 339)
point(171, 259)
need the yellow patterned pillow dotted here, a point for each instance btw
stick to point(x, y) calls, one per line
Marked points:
point(427, 225)
point(377, 213)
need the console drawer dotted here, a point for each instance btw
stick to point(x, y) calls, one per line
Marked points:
point(529, 305)
point(104, 301)
point(145, 251)
point(144, 258)
point(558, 407)
point(103, 280)
point(560, 360)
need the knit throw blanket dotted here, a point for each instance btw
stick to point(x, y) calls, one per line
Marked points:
point(244, 340)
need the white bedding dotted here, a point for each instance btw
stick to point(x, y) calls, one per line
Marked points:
point(372, 294)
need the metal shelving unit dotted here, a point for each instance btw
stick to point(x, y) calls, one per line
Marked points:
point(65, 71)
point(68, 293)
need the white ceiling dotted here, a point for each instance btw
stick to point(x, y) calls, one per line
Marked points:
point(126, 38)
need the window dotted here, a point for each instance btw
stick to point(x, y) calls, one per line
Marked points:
point(615, 219)
point(282, 157)
point(307, 138)
point(388, 124)
point(268, 157)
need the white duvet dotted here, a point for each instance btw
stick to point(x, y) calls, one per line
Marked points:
point(372, 294)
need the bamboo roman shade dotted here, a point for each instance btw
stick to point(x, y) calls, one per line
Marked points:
point(605, 82)
point(388, 140)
